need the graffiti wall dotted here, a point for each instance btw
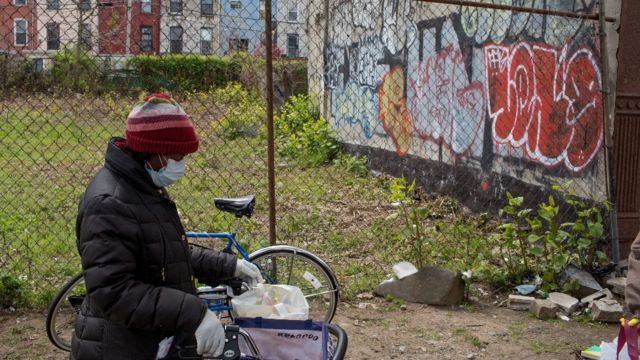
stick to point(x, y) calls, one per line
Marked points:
point(505, 95)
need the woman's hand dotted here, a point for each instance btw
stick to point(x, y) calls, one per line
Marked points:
point(248, 272)
point(210, 336)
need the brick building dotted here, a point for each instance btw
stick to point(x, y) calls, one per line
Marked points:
point(129, 27)
point(18, 26)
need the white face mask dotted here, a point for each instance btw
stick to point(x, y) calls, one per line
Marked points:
point(169, 174)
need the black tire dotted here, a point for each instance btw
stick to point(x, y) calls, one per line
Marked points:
point(65, 306)
point(321, 288)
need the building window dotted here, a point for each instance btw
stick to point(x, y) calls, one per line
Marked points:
point(84, 5)
point(206, 35)
point(293, 14)
point(145, 6)
point(19, 2)
point(53, 4)
point(53, 36)
point(236, 44)
point(206, 7)
point(175, 6)
point(38, 64)
point(293, 46)
point(146, 42)
point(85, 36)
point(236, 5)
point(175, 37)
point(20, 32)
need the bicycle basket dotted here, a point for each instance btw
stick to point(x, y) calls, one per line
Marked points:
point(286, 339)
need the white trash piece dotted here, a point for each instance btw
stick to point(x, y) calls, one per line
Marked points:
point(404, 269)
point(272, 302)
point(163, 347)
point(608, 351)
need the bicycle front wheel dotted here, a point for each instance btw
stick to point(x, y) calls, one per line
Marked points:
point(282, 264)
point(61, 317)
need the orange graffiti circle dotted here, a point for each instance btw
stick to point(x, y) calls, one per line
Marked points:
point(395, 117)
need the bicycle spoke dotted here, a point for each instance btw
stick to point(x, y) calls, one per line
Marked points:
point(321, 293)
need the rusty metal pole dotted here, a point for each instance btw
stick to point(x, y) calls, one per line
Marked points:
point(608, 139)
point(270, 133)
point(489, 5)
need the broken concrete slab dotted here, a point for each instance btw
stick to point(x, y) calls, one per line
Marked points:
point(602, 294)
point(519, 302)
point(588, 284)
point(544, 309)
point(430, 285)
point(566, 303)
point(617, 285)
point(606, 310)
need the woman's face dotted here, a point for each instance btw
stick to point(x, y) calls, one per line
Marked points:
point(159, 161)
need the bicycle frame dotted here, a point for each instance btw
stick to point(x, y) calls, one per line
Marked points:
point(231, 243)
point(230, 236)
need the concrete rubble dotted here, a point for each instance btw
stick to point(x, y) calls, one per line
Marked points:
point(587, 283)
point(606, 310)
point(430, 285)
point(543, 309)
point(602, 294)
point(566, 303)
point(617, 285)
point(520, 302)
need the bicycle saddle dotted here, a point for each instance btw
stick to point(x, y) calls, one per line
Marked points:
point(242, 206)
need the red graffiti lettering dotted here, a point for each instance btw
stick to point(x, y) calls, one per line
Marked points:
point(546, 101)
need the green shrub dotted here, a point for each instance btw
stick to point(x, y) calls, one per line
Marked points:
point(75, 71)
point(184, 72)
point(303, 135)
point(535, 243)
point(244, 113)
point(12, 291)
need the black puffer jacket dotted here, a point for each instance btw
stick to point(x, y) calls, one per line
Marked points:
point(138, 267)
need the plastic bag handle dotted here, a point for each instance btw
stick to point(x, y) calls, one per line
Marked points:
point(628, 334)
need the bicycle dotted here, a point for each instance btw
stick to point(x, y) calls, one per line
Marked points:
point(279, 264)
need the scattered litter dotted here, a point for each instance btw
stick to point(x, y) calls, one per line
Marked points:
point(404, 269)
point(365, 296)
point(525, 289)
point(591, 353)
point(562, 316)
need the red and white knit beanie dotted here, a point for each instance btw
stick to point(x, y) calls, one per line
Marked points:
point(159, 125)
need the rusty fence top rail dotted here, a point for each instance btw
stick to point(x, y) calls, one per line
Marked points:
point(568, 14)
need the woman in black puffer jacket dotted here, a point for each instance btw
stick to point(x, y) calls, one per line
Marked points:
point(139, 269)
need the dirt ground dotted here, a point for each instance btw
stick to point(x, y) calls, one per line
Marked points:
point(381, 329)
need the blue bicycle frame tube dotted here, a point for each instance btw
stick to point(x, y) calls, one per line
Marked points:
point(231, 240)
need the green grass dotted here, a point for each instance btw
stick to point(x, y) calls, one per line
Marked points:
point(51, 148)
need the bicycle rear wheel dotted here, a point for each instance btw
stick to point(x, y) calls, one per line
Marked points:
point(61, 317)
point(282, 264)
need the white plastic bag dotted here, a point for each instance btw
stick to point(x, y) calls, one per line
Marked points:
point(608, 351)
point(272, 302)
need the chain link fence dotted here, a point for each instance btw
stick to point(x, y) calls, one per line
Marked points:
point(470, 101)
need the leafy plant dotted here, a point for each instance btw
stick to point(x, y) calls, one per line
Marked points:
point(412, 236)
point(75, 71)
point(302, 134)
point(526, 235)
point(355, 164)
point(12, 291)
point(244, 114)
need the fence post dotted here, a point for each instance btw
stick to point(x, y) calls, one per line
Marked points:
point(609, 161)
point(270, 133)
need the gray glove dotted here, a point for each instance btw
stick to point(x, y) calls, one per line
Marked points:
point(210, 335)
